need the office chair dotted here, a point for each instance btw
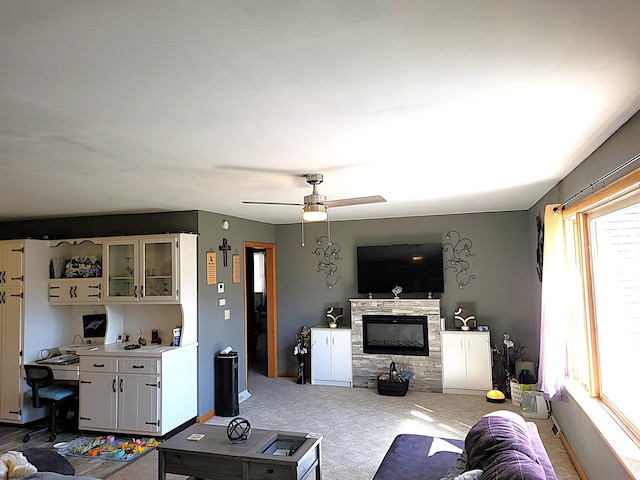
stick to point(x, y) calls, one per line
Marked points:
point(45, 392)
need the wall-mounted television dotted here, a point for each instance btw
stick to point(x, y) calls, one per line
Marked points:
point(417, 268)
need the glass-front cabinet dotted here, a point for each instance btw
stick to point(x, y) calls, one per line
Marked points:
point(141, 269)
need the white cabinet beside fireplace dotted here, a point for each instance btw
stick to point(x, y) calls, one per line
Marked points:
point(466, 362)
point(331, 356)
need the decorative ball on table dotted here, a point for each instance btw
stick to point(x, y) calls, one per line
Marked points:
point(239, 430)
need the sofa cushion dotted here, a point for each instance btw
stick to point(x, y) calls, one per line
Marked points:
point(418, 457)
point(496, 433)
point(512, 465)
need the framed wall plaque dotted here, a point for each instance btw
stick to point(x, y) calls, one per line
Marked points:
point(235, 259)
point(211, 268)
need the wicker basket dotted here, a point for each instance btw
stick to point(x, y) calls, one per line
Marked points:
point(516, 393)
point(388, 384)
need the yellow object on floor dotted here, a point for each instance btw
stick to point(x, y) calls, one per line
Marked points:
point(495, 396)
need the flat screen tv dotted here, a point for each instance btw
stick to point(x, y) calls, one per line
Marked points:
point(417, 268)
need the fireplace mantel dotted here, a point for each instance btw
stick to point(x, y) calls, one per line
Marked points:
point(366, 367)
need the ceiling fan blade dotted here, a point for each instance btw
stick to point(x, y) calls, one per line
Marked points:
point(345, 202)
point(274, 203)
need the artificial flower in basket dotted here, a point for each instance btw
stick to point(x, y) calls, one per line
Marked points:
point(396, 382)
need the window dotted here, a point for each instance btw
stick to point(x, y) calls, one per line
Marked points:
point(259, 277)
point(603, 257)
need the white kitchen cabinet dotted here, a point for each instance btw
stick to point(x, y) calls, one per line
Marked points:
point(114, 395)
point(70, 291)
point(151, 390)
point(27, 323)
point(143, 269)
point(10, 348)
point(11, 264)
point(80, 257)
point(331, 356)
point(98, 400)
point(466, 362)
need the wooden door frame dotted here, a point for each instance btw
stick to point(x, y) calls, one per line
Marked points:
point(272, 310)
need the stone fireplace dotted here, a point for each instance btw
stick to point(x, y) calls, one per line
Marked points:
point(427, 369)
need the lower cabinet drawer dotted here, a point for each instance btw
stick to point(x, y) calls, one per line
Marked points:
point(139, 365)
point(265, 471)
point(201, 466)
point(98, 364)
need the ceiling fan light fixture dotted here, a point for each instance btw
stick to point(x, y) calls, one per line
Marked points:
point(314, 213)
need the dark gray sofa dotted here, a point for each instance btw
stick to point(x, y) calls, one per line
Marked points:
point(501, 445)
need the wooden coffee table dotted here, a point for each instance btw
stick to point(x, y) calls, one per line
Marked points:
point(266, 454)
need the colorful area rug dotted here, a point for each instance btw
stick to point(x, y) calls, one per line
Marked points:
point(109, 448)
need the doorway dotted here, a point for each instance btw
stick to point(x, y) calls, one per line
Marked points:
point(261, 327)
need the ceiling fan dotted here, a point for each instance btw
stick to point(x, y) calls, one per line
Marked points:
point(315, 205)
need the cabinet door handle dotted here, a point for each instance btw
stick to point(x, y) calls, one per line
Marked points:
point(113, 385)
point(137, 366)
point(85, 418)
point(17, 412)
point(95, 286)
point(3, 277)
point(153, 423)
point(71, 291)
point(3, 300)
point(85, 381)
point(75, 291)
point(98, 365)
point(54, 287)
point(151, 384)
point(21, 295)
point(141, 291)
point(135, 291)
point(121, 380)
point(21, 278)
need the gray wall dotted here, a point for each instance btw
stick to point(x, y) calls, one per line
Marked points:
point(577, 428)
point(500, 294)
point(214, 332)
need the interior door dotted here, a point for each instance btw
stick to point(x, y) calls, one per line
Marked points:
point(271, 307)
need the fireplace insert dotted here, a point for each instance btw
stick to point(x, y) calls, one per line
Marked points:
point(395, 334)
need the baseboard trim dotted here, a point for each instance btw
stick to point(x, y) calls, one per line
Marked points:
point(572, 457)
point(206, 416)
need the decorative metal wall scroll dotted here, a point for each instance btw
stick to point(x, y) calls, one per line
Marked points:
point(460, 250)
point(329, 254)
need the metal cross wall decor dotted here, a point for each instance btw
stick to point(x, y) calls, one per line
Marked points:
point(225, 247)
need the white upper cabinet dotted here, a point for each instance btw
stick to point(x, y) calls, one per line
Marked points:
point(142, 269)
point(75, 272)
point(11, 266)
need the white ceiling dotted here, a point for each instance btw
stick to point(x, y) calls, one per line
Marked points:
point(439, 106)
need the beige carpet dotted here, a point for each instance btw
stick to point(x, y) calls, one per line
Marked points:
point(357, 424)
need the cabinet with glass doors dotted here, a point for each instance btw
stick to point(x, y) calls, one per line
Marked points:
point(142, 269)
